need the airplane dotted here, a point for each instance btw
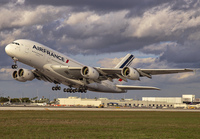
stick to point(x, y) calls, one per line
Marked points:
point(54, 67)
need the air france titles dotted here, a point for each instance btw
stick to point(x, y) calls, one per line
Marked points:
point(49, 53)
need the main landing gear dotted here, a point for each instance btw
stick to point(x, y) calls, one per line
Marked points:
point(70, 90)
point(55, 88)
point(80, 90)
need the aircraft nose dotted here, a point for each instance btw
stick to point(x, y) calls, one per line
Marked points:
point(8, 50)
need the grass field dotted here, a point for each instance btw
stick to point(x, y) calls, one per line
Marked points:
point(87, 124)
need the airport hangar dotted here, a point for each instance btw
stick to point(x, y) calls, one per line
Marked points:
point(148, 102)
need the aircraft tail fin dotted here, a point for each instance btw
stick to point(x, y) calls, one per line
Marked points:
point(126, 61)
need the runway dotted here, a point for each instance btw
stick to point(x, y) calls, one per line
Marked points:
point(23, 108)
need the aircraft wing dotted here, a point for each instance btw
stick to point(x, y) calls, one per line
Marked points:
point(40, 76)
point(112, 73)
point(71, 79)
point(75, 72)
point(116, 73)
point(69, 72)
point(127, 87)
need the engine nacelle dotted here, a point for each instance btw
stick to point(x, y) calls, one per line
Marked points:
point(130, 73)
point(90, 73)
point(23, 75)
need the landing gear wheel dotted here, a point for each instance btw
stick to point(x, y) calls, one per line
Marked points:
point(56, 88)
point(64, 90)
point(14, 66)
point(74, 90)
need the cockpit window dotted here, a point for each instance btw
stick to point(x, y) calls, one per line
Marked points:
point(15, 43)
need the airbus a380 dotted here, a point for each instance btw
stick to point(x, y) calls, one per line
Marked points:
point(58, 68)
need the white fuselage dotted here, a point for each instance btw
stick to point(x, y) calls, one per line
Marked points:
point(41, 58)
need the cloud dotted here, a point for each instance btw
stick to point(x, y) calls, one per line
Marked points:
point(102, 6)
point(78, 18)
point(94, 32)
point(5, 74)
point(109, 62)
point(186, 54)
point(9, 36)
point(194, 36)
point(153, 23)
point(157, 48)
point(185, 4)
point(91, 33)
point(180, 78)
point(149, 63)
point(28, 16)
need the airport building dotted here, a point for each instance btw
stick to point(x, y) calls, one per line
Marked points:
point(75, 101)
point(148, 102)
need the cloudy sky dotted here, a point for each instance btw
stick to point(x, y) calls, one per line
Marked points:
point(160, 33)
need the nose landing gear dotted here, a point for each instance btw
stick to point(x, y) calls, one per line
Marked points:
point(15, 65)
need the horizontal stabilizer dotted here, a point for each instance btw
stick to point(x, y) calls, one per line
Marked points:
point(163, 71)
point(127, 87)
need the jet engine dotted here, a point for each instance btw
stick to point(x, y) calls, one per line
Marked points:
point(130, 73)
point(90, 73)
point(23, 75)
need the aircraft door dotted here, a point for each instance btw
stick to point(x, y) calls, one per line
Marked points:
point(26, 49)
point(49, 61)
point(17, 48)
